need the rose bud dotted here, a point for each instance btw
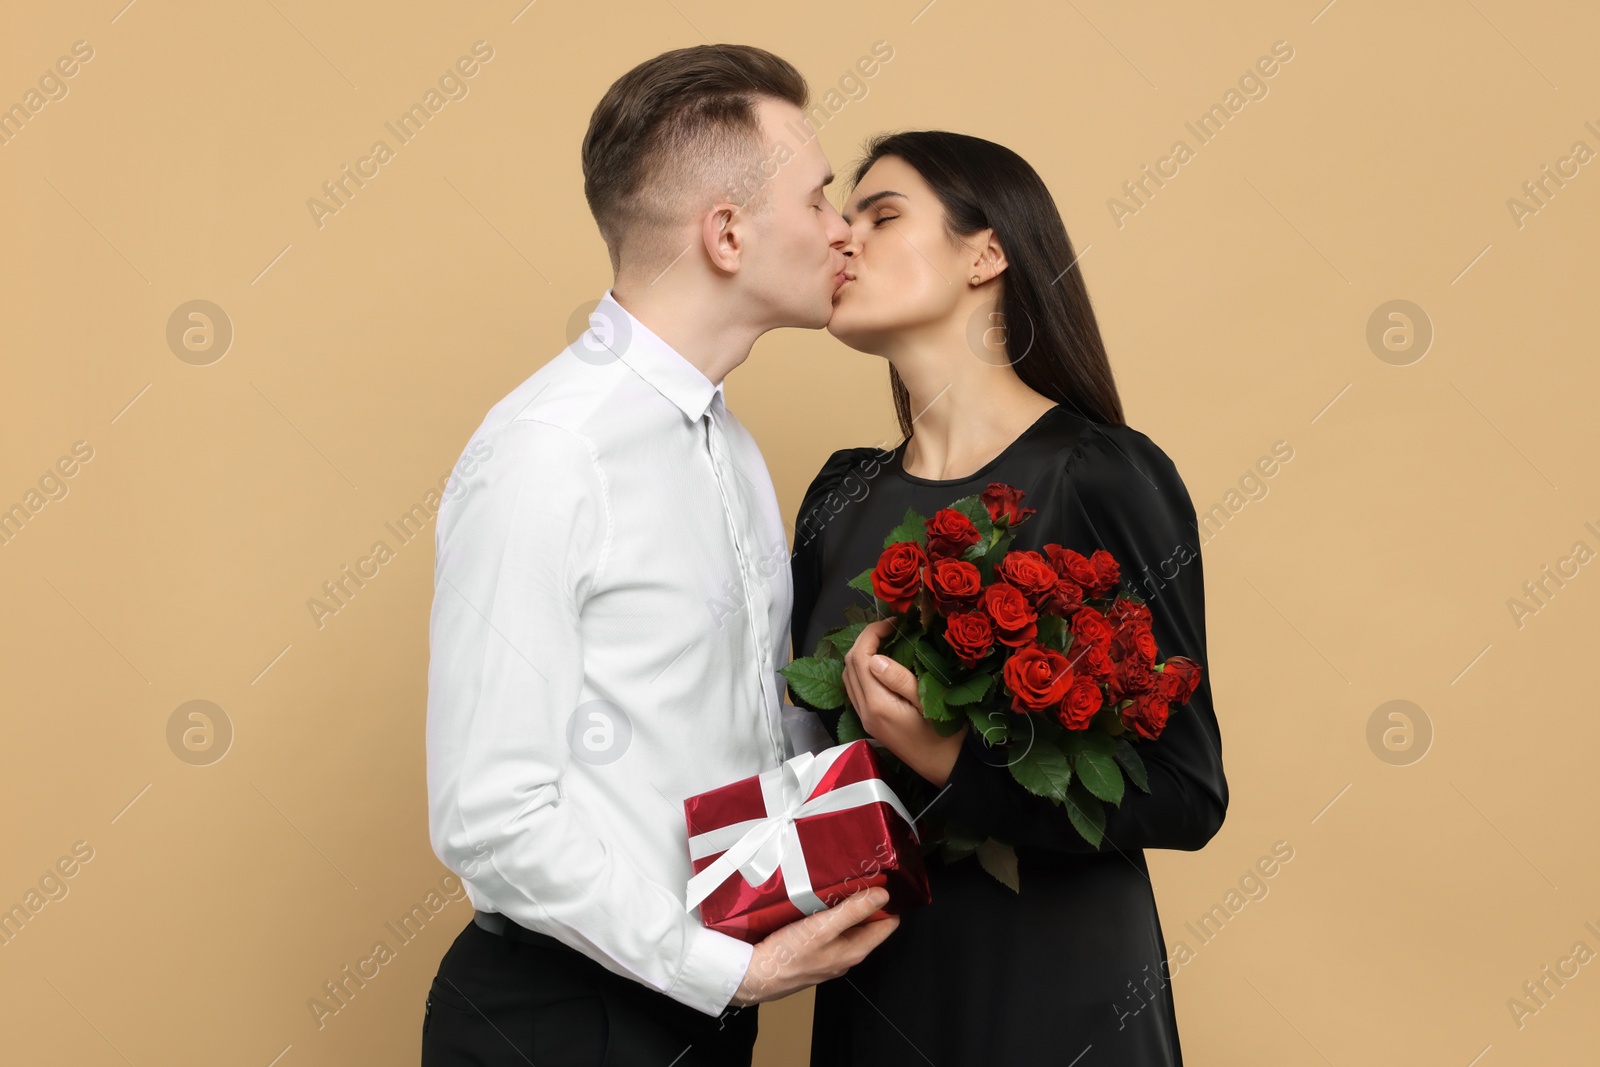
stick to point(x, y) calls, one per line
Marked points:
point(1005, 504)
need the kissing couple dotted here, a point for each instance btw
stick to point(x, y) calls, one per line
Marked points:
point(615, 596)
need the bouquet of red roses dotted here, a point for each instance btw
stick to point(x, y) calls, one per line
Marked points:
point(1037, 651)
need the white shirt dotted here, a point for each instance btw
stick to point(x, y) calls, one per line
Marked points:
point(610, 543)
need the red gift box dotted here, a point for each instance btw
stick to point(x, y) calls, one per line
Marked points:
point(799, 838)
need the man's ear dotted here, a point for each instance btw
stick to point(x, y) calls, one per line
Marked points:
point(721, 231)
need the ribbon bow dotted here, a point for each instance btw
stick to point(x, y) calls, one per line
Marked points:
point(758, 847)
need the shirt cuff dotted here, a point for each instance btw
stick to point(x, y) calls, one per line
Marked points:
point(713, 969)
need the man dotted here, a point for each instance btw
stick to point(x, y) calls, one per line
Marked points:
point(612, 599)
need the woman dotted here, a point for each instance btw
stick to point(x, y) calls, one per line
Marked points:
point(959, 275)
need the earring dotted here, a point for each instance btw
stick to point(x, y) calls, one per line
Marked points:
point(976, 279)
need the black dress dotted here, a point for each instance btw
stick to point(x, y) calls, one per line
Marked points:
point(1071, 971)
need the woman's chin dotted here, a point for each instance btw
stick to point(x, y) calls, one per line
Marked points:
point(849, 334)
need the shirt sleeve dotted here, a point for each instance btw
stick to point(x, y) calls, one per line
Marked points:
point(522, 550)
point(1125, 496)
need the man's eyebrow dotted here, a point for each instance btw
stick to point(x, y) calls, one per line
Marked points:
point(867, 201)
point(824, 183)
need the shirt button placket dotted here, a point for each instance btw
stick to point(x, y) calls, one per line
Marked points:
point(739, 526)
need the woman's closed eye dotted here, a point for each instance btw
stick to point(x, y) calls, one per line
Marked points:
point(881, 219)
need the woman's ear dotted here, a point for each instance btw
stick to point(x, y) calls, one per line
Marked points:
point(991, 259)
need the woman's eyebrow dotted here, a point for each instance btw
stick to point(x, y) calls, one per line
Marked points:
point(867, 201)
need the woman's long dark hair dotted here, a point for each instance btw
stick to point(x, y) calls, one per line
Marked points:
point(983, 184)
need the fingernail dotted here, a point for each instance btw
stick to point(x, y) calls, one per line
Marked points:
point(880, 664)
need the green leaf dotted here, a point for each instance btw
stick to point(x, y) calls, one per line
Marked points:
point(961, 838)
point(1087, 814)
point(903, 652)
point(845, 636)
point(1000, 860)
point(854, 613)
point(952, 840)
point(1053, 632)
point(1096, 767)
point(1129, 758)
point(863, 582)
point(990, 724)
point(933, 659)
point(1043, 771)
point(912, 528)
point(818, 682)
point(968, 691)
point(930, 693)
point(849, 728)
point(996, 553)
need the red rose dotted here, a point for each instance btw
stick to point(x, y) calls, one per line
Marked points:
point(1144, 646)
point(954, 583)
point(1030, 573)
point(1179, 679)
point(1090, 628)
point(1107, 572)
point(970, 636)
point(1079, 705)
point(1065, 598)
point(1015, 621)
point(1038, 678)
point(1147, 715)
point(898, 576)
point(1125, 610)
point(1134, 641)
point(950, 533)
point(1092, 660)
point(1131, 678)
point(1072, 566)
point(1005, 504)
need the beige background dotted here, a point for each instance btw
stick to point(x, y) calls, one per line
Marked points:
point(1375, 566)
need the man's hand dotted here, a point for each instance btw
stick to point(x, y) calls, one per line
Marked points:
point(884, 695)
point(815, 948)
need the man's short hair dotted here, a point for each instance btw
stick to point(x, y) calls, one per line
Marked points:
point(673, 136)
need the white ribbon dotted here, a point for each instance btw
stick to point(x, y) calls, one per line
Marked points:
point(758, 847)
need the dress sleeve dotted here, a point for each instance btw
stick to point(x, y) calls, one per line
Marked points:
point(1123, 494)
point(822, 501)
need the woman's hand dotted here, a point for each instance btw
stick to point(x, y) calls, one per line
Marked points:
point(884, 695)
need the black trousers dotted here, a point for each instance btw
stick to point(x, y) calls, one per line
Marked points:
point(499, 1002)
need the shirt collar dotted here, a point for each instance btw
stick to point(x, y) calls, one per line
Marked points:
point(657, 362)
